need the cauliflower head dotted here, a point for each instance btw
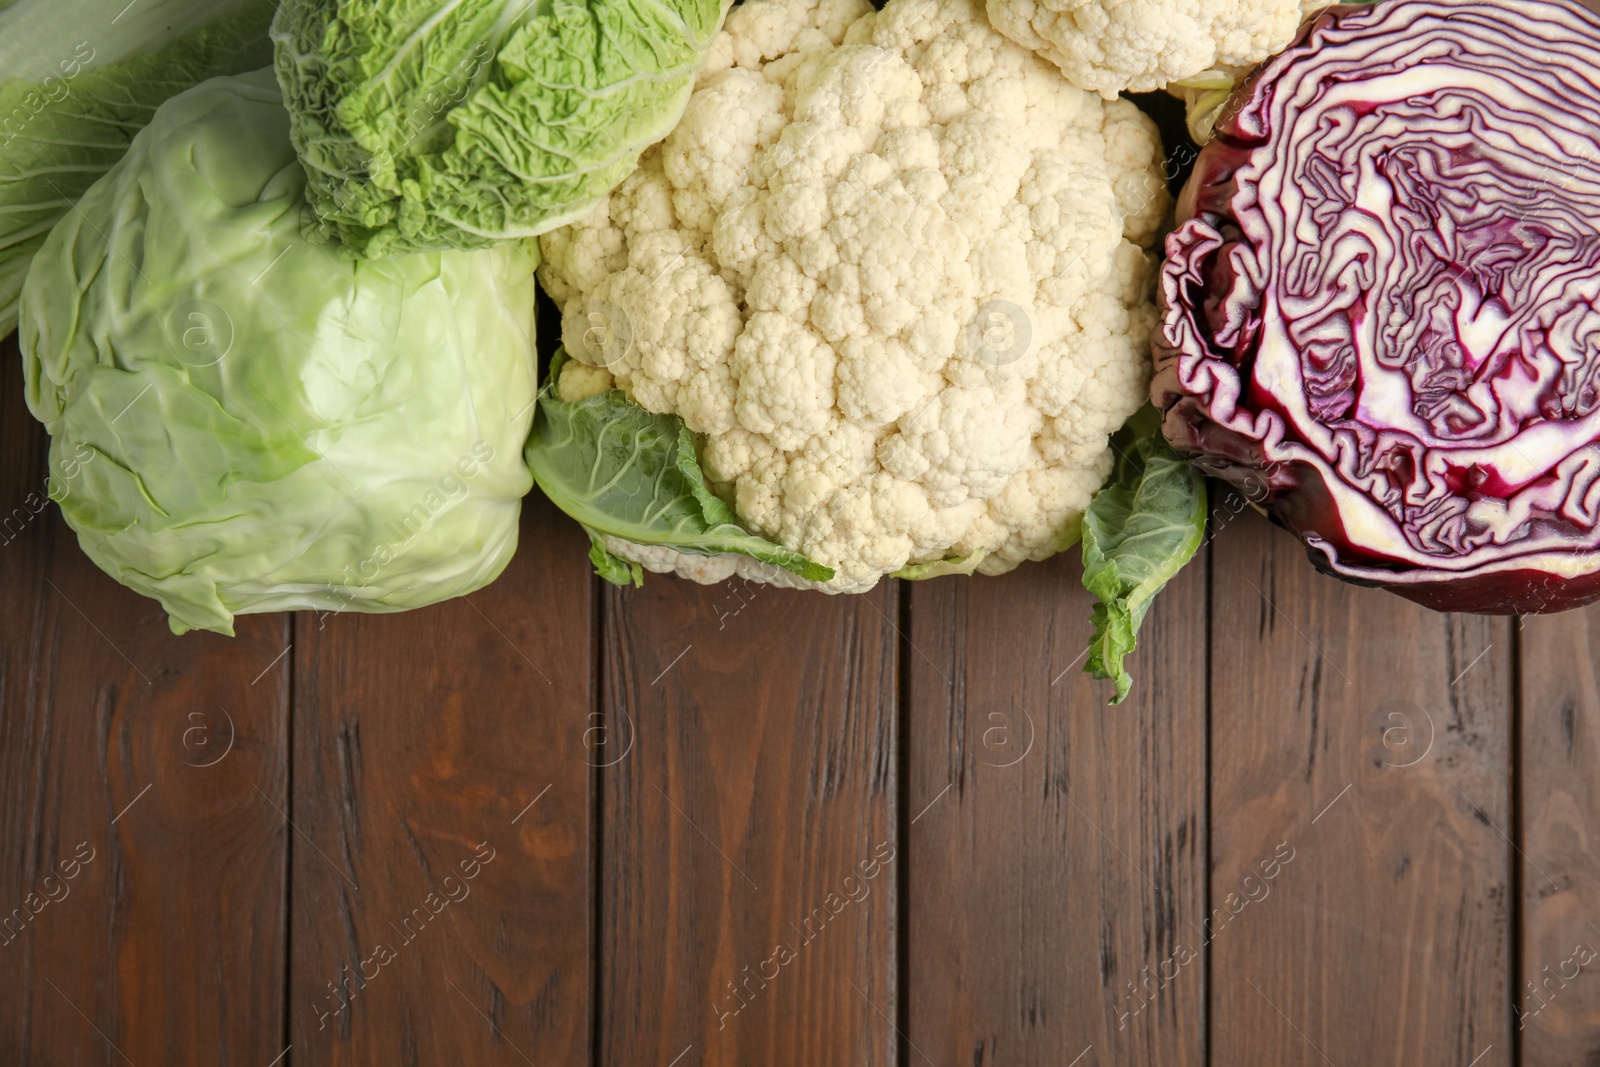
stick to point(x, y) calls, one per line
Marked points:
point(893, 274)
point(1108, 46)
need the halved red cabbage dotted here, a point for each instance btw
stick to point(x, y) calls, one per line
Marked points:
point(1382, 305)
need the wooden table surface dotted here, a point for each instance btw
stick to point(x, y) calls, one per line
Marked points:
point(555, 823)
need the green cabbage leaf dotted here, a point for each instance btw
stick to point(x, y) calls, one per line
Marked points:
point(244, 421)
point(629, 473)
point(78, 78)
point(425, 125)
point(1140, 530)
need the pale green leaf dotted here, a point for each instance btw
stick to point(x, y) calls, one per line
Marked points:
point(78, 79)
point(1139, 531)
point(628, 473)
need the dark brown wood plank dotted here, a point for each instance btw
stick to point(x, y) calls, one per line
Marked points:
point(1558, 997)
point(1360, 757)
point(139, 773)
point(750, 856)
point(442, 856)
point(1057, 856)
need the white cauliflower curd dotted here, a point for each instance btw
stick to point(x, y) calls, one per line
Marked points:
point(1113, 45)
point(892, 271)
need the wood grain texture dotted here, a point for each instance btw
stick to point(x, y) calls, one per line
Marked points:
point(442, 859)
point(1558, 995)
point(749, 846)
point(706, 736)
point(1057, 860)
point(139, 769)
point(1361, 875)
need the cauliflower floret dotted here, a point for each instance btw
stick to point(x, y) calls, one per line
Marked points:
point(895, 272)
point(1108, 46)
point(758, 36)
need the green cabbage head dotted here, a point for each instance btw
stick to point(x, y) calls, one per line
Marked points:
point(243, 421)
point(78, 78)
point(432, 124)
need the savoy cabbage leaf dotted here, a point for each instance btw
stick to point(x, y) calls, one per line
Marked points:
point(425, 126)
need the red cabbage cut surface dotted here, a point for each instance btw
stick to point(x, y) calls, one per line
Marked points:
point(1382, 304)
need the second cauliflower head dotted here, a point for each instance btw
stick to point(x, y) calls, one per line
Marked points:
point(892, 272)
point(1114, 45)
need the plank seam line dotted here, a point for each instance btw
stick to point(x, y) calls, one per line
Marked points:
point(888, 1020)
point(310, 842)
point(1515, 876)
point(1490, 822)
point(289, 697)
point(597, 808)
point(274, 662)
point(907, 639)
point(900, 943)
point(1207, 988)
point(932, 802)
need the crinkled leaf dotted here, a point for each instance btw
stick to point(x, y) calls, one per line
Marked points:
point(74, 89)
point(626, 472)
point(428, 127)
point(1139, 531)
